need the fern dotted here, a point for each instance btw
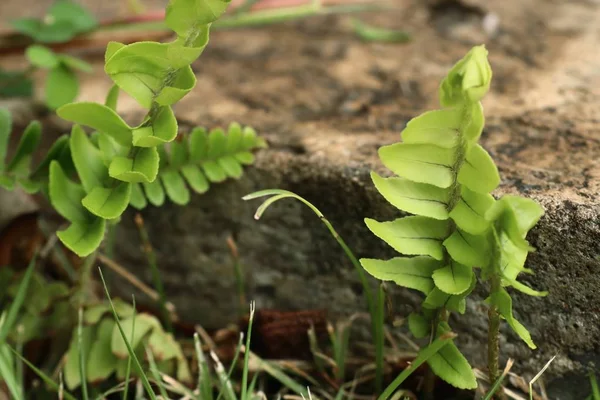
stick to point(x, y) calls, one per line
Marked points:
point(111, 163)
point(197, 160)
point(445, 178)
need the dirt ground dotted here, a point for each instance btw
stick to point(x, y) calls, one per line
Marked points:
point(326, 101)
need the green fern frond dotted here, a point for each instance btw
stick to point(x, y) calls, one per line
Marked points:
point(198, 160)
point(445, 178)
point(19, 170)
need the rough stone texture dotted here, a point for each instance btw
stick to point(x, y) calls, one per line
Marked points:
point(326, 101)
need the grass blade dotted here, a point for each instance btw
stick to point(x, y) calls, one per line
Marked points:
point(128, 369)
point(236, 355)
point(498, 383)
point(82, 374)
point(247, 353)
point(44, 377)
point(279, 194)
point(225, 383)
point(8, 373)
point(136, 362)
point(156, 374)
point(535, 378)
point(15, 307)
point(423, 356)
point(204, 378)
point(595, 389)
point(371, 33)
point(281, 376)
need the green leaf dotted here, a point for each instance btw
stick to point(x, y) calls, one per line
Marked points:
point(422, 163)
point(93, 313)
point(75, 63)
point(471, 250)
point(198, 144)
point(503, 302)
point(250, 140)
point(88, 160)
point(414, 273)
point(181, 55)
point(469, 214)
point(454, 278)
point(163, 345)
point(66, 195)
point(418, 325)
point(525, 212)
point(98, 117)
point(79, 18)
point(195, 178)
point(235, 138)
point(83, 237)
point(479, 173)
point(183, 16)
point(71, 368)
point(217, 144)
point(112, 98)
point(175, 187)
point(41, 56)
point(512, 257)
point(440, 128)
point(108, 203)
point(213, 171)
point(143, 167)
point(414, 235)
point(144, 323)
point(415, 198)
point(424, 354)
point(30, 139)
point(15, 84)
point(63, 21)
point(475, 127)
point(376, 34)
point(59, 151)
point(110, 148)
point(451, 366)
point(154, 192)
point(245, 157)
point(137, 199)
point(523, 288)
point(5, 131)
point(178, 154)
point(163, 130)
point(469, 80)
point(231, 166)
point(102, 362)
point(184, 82)
point(437, 299)
point(140, 69)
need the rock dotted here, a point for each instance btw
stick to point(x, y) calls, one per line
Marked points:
point(542, 130)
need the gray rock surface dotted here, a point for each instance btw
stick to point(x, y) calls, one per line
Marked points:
point(326, 101)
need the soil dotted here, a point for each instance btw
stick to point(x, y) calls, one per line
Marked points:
point(325, 101)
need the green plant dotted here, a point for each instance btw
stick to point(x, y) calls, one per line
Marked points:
point(62, 22)
point(101, 344)
point(62, 85)
point(374, 303)
point(444, 178)
point(119, 164)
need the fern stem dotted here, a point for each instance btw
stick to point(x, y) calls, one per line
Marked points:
point(494, 316)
